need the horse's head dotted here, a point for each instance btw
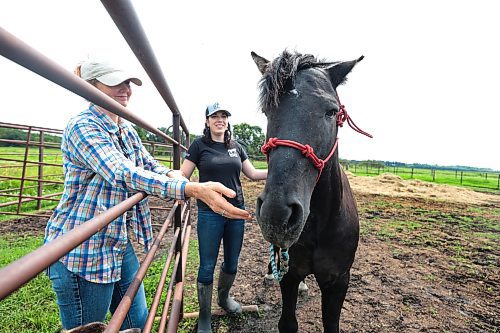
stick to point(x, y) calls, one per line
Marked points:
point(298, 96)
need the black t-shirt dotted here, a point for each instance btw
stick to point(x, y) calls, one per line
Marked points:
point(217, 163)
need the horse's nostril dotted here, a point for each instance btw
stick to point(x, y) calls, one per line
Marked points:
point(258, 205)
point(296, 216)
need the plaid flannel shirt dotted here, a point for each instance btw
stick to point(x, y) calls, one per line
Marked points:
point(99, 173)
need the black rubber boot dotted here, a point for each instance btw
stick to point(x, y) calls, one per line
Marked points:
point(205, 302)
point(224, 300)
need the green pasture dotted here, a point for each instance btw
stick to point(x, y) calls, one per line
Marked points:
point(14, 169)
point(20, 312)
point(480, 181)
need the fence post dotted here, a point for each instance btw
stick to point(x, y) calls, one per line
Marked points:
point(498, 182)
point(461, 177)
point(411, 173)
point(40, 170)
point(433, 171)
point(177, 217)
point(152, 149)
point(26, 156)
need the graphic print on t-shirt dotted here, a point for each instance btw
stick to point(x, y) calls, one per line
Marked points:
point(232, 152)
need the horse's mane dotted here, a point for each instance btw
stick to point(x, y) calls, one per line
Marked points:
point(281, 73)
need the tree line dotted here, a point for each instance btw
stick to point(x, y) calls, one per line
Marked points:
point(21, 135)
point(249, 136)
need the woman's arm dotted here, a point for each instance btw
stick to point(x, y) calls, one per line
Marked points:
point(91, 147)
point(252, 173)
point(187, 168)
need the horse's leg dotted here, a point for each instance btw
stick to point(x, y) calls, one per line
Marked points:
point(289, 292)
point(332, 298)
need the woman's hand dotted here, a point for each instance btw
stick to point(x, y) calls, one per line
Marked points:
point(211, 194)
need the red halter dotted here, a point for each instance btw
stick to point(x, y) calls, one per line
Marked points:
point(307, 150)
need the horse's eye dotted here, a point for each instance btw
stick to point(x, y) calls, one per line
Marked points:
point(330, 113)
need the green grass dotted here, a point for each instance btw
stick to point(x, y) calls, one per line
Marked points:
point(32, 308)
point(483, 181)
point(259, 164)
point(20, 312)
point(30, 188)
point(190, 296)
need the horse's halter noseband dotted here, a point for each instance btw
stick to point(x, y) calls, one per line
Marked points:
point(307, 150)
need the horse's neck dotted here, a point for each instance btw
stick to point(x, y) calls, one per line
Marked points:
point(329, 187)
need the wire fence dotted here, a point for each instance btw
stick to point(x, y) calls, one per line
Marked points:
point(487, 180)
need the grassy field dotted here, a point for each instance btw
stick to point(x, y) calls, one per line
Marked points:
point(20, 312)
point(15, 170)
point(488, 182)
point(482, 181)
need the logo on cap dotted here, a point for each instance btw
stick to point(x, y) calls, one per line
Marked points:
point(212, 108)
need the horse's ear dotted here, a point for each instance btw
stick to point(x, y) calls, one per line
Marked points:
point(261, 62)
point(339, 71)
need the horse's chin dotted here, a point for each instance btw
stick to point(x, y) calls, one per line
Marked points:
point(284, 243)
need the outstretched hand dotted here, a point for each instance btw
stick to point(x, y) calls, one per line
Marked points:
point(212, 193)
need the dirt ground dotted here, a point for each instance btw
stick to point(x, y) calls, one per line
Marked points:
point(428, 261)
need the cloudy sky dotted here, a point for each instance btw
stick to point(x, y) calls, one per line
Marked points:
point(426, 89)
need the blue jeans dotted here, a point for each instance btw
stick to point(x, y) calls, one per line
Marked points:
point(82, 302)
point(213, 228)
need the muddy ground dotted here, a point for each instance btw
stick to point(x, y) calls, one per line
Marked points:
point(428, 261)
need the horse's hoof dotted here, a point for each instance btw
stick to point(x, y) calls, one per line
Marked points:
point(269, 277)
point(303, 287)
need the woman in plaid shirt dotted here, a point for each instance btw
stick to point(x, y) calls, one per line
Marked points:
point(104, 162)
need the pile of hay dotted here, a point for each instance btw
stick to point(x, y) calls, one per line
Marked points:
point(393, 185)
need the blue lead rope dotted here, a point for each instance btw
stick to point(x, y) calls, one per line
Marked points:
point(283, 264)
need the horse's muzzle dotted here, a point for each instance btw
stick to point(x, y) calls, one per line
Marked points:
point(281, 221)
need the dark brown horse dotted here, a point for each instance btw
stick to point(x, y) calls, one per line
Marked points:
point(307, 205)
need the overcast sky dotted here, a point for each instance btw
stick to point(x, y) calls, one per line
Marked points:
point(426, 90)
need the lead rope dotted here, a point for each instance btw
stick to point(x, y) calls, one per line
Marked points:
point(283, 262)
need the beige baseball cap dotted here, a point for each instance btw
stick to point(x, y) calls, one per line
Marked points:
point(105, 73)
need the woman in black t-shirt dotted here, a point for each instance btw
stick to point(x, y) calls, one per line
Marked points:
point(219, 159)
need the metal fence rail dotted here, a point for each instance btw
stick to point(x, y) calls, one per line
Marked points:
point(21, 271)
point(46, 184)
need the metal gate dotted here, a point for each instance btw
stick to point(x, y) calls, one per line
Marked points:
point(23, 270)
